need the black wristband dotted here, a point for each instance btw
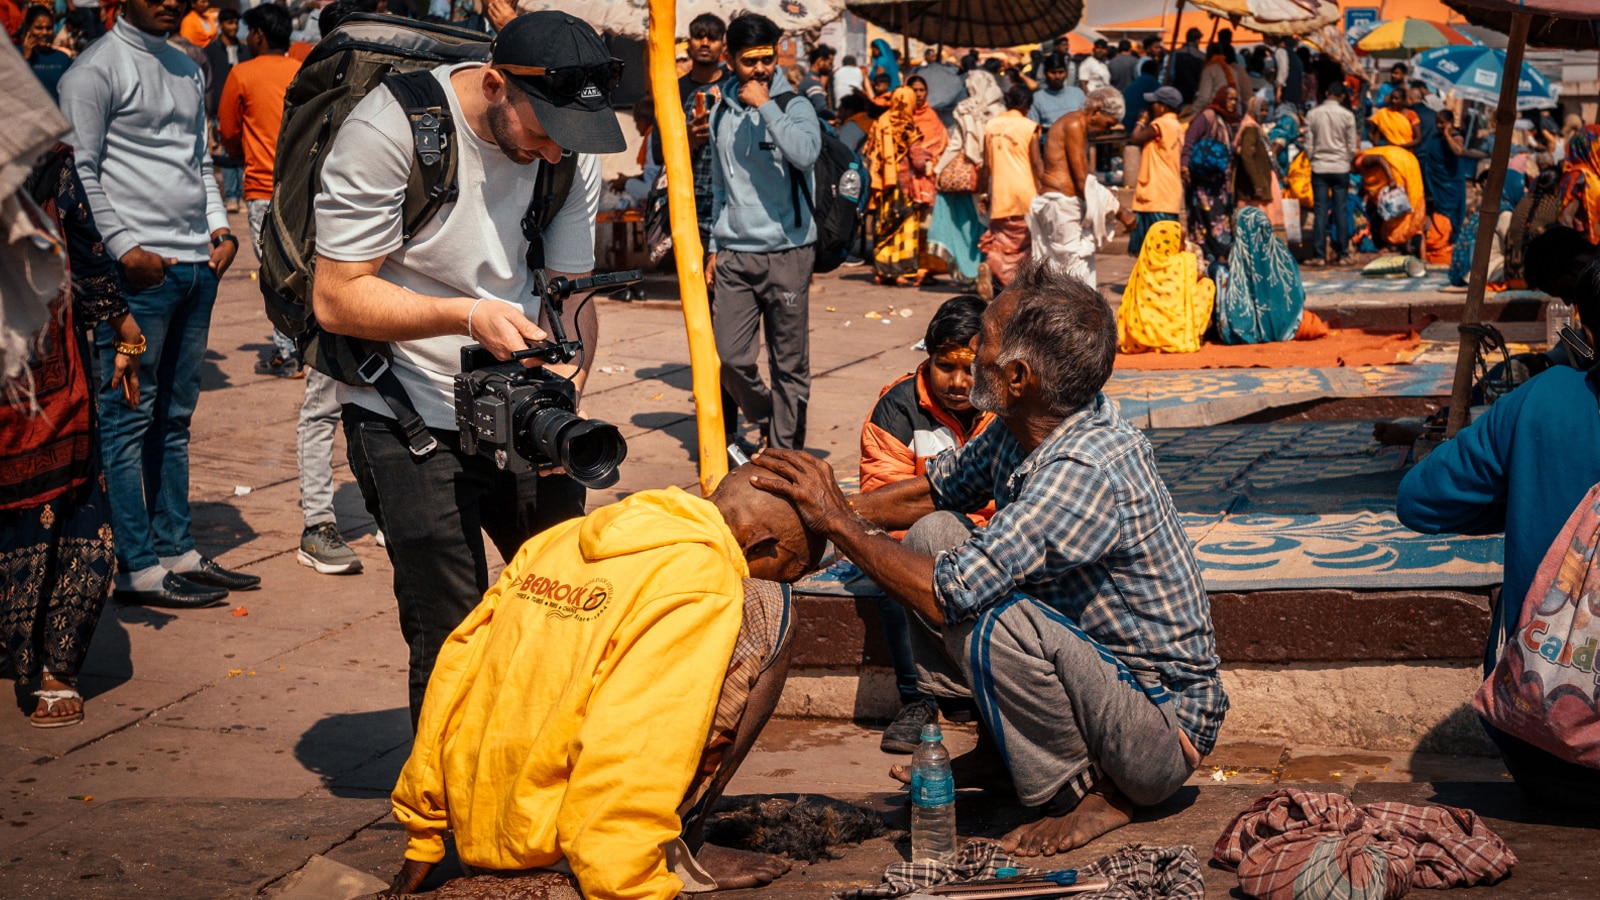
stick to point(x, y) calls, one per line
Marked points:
point(216, 241)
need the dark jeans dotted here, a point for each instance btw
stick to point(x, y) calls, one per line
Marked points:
point(1452, 206)
point(145, 451)
point(1330, 189)
point(433, 513)
point(897, 635)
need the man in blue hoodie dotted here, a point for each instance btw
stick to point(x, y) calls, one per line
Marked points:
point(1522, 468)
point(763, 237)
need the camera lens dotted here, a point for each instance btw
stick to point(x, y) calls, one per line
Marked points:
point(590, 450)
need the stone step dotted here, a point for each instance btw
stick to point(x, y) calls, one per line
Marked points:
point(1386, 670)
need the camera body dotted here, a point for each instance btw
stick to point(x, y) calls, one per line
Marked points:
point(492, 397)
point(526, 418)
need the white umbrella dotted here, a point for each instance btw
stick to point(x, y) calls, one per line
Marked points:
point(631, 18)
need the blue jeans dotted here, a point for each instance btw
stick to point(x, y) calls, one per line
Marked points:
point(232, 182)
point(146, 450)
point(1334, 189)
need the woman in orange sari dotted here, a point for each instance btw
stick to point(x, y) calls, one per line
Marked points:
point(935, 138)
point(901, 173)
point(1391, 179)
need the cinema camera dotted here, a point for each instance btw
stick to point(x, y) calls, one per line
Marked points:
point(526, 418)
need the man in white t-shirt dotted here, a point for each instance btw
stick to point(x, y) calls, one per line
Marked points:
point(462, 278)
point(1093, 73)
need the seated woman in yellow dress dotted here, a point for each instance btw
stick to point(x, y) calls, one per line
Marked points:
point(1166, 306)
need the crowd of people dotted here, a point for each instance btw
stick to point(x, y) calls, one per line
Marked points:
point(1037, 576)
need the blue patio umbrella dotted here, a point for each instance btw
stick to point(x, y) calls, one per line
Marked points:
point(1474, 73)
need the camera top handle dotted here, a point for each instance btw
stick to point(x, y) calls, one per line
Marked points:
point(553, 293)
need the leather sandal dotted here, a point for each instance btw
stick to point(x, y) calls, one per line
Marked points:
point(51, 698)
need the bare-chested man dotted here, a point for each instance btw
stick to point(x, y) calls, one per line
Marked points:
point(1059, 217)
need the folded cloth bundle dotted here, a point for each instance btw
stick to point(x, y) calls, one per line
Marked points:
point(1136, 872)
point(1299, 844)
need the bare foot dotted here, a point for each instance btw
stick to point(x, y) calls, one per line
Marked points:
point(982, 767)
point(1095, 815)
point(735, 869)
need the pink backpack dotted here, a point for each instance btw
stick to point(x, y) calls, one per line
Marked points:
point(1546, 687)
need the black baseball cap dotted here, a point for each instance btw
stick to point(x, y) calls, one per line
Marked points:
point(574, 101)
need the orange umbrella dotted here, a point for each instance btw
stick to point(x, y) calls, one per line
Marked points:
point(1162, 25)
point(1077, 43)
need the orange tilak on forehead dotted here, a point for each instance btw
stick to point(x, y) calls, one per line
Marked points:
point(753, 55)
point(958, 356)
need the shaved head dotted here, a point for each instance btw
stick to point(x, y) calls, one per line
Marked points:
point(776, 544)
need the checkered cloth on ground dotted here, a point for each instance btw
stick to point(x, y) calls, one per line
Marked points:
point(1136, 872)
point(1294, 844)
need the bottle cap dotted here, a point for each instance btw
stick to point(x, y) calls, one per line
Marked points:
point(930, 732)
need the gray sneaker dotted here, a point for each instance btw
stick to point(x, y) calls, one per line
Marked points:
point(323, 548)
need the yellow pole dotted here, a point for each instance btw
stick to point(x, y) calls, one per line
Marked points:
point(686, 247)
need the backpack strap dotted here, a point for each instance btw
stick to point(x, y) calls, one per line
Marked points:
point(433, 168)
point(431, 186)
point(550, 190)
point(797, 179)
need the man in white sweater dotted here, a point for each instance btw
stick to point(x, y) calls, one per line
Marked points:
point(137, 108)
point(1331, 144)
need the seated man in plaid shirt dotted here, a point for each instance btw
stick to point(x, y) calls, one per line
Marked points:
point(1075, 620)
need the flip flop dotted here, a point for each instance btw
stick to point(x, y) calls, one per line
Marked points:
point(51, 698)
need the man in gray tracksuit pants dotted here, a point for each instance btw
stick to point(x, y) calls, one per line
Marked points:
point(763, 237)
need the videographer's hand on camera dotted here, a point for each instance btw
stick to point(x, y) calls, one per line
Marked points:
point(502, 329)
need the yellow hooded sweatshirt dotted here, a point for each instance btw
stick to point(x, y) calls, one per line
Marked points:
point(566, 716)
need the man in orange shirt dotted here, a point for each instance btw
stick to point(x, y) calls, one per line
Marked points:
point(1158, 195)
point(248, 117)
point(1015, 166)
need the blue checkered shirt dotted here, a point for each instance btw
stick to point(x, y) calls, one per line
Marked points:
point(701, 158)
point(1085, 524)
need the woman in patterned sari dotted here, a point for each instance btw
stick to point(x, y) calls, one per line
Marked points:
point(1264, 297)
point(56, 558)
point(1580, 184)
point(1207, 169)
point(898, 163)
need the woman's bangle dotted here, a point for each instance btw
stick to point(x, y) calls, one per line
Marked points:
point(131, 349)
point(474, 309)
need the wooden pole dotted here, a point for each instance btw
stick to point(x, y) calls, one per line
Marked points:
point(1172, 54)
point(1488, 214)
point(905, 38)
point(686, 247)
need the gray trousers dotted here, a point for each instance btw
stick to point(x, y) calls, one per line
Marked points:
point(770, 291)
point(319, 411)
point(1063, 710)
point(319, 422)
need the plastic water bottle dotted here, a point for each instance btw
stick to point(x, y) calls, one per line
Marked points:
point(933, 799)
point(1557, 314)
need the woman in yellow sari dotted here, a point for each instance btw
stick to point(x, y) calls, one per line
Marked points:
point(897, 161)
point(1388, 174)
point(1166, 307)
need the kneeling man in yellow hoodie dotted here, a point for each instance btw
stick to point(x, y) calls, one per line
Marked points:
point(592, 708)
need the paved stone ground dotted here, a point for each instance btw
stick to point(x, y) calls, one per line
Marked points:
point(224, 748)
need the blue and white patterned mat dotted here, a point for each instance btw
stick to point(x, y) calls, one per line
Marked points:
point(1287, 506)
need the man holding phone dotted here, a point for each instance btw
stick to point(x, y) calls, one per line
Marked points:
point(700, 90)
point(763, 236)
point(137, 108)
